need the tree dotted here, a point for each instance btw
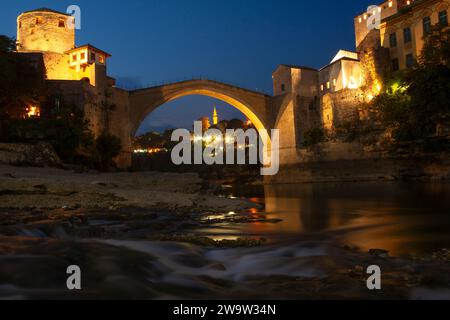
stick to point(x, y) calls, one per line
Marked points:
point(21, 80)
point(7, 45)
point(436, 50)
point(108, 147)
point(418, 99)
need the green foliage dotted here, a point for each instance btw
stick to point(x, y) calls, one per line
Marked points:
point(436, 49)
point(107, 148)
point(235, 124)
point(417, 100)
point(149, 140)
point(66, 131)
point(6, 44)
point(313, 137)
point(21, 83)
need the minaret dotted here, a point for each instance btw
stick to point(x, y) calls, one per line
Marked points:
point(215, 117)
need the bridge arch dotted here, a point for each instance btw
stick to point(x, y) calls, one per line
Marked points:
point(252, 104)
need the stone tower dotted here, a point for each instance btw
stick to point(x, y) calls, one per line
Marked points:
point(45, 30)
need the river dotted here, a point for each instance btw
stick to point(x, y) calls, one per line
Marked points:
point(315, 242)
point(404, 218)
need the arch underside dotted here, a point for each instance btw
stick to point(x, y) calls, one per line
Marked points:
point(237, 103)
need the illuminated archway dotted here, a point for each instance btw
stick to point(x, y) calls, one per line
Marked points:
point(252, 104)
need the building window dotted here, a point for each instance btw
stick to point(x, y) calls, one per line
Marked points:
point(328, 85)
point(321, 87)
point(391, 4)
point(393, 40)
point(83, 56)
point(39, 20)
point(426, 25)
point(409, 60)
point(20, 24)
point(334, 82)
point(407, 35)
point(61, 23)
point(93, 56)
point(283, 87)
point(101, 59)
point(74, 57)
point(443, 20)
point(395, 65)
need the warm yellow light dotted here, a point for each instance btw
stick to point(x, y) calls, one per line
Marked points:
point(33, 111)
point(352, 83)
point(396, 87)
point(229, 139)
point(378, 88)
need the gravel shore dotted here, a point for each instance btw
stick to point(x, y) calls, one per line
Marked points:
point(49, 188)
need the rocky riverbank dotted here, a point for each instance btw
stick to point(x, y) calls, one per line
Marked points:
point(49, 188)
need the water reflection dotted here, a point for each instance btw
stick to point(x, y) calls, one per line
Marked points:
point(400, 217)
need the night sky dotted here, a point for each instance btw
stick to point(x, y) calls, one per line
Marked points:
point(239, 42)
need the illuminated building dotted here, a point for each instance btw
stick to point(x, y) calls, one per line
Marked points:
point(338, 89)
point(404, 23)
point(52, 34)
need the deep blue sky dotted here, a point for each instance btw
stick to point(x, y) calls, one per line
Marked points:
point(240, 42)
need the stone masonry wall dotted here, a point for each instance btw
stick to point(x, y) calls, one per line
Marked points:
point(43, 31)
point(340, 108)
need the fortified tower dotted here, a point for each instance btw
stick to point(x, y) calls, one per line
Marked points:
point(52, 34)
point(45, 30)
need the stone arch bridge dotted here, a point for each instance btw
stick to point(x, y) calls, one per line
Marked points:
point(265, 111)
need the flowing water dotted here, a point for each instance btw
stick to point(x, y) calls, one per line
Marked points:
point(404, 218)
point(310, 230)
point(305, 226)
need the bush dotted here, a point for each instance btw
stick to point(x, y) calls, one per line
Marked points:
point(64, 135)
point(107, 147)
point(313, 137)
point(418, 99)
